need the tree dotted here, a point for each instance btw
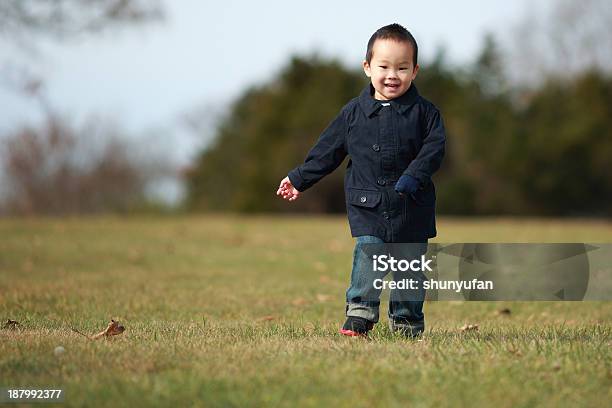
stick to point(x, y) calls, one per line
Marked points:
point(565, 39)
point(267, 132)
point(23, 23)
point(55, 169)
point(544, 156)
point(564, 146)
point(46, 168)
point(24, 20)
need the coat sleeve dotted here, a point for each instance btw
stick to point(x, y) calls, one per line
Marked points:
point(429, 158)
point(324, 157)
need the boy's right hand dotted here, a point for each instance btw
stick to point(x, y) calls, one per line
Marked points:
point(287, 191)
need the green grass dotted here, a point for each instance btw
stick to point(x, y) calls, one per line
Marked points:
point(244, 311)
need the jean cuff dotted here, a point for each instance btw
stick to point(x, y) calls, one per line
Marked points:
point(412, 328)
point(358, 310)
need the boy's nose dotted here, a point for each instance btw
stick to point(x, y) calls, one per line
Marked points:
point(392, 75)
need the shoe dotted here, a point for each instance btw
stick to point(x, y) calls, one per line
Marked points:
point(410, 329)
point(356, 326)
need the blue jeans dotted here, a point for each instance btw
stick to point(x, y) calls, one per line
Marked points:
point(363, 299)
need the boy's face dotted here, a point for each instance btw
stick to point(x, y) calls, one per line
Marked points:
point(391, 69)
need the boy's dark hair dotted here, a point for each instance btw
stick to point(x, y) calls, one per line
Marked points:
point(393, 32)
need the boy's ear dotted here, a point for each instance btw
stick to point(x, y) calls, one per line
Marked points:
point(366, 68)
point(415, 71)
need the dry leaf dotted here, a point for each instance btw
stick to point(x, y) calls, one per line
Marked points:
point(113, 329)
point(11, 324)
point(515, 351)
point(469, 327)
point(309, 328)
point(299, 302)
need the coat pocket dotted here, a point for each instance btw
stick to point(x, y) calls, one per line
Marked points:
point(425, 197)
point(364, 198)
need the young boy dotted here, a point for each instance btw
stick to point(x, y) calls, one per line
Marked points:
point(395, 139)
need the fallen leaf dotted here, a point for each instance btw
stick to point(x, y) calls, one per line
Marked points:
point(514, 351)
point(504, 311)
point(11, 324)
point(112, 329)
point(469, 327)
point(309, 328)
point(299, 302)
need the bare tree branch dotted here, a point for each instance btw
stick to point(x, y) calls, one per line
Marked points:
point(22, 20)
point(56, 169)
point(571, 37)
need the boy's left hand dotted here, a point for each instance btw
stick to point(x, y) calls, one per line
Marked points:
point(407, 185)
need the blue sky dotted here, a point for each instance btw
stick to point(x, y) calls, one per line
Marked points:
point(207, 52)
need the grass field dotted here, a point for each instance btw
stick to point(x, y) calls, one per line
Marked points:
point(244, 311)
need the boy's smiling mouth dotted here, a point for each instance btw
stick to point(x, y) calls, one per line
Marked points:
point(392, 86)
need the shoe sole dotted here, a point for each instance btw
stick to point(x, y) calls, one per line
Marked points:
point(352, 333)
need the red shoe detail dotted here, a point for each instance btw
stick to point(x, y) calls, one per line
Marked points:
point(352, 333)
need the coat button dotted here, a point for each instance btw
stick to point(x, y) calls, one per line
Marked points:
point(376, 147)
point(386, 215)
point(363, 199)
point(380, 181)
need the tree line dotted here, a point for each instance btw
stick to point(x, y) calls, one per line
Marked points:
point(537, 150)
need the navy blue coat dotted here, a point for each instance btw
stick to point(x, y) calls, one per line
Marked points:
point(383, 142)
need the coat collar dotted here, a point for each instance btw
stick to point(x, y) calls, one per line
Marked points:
point(401, 104)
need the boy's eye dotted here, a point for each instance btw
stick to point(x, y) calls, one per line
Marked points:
point(403, 69)
point(382, 66)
